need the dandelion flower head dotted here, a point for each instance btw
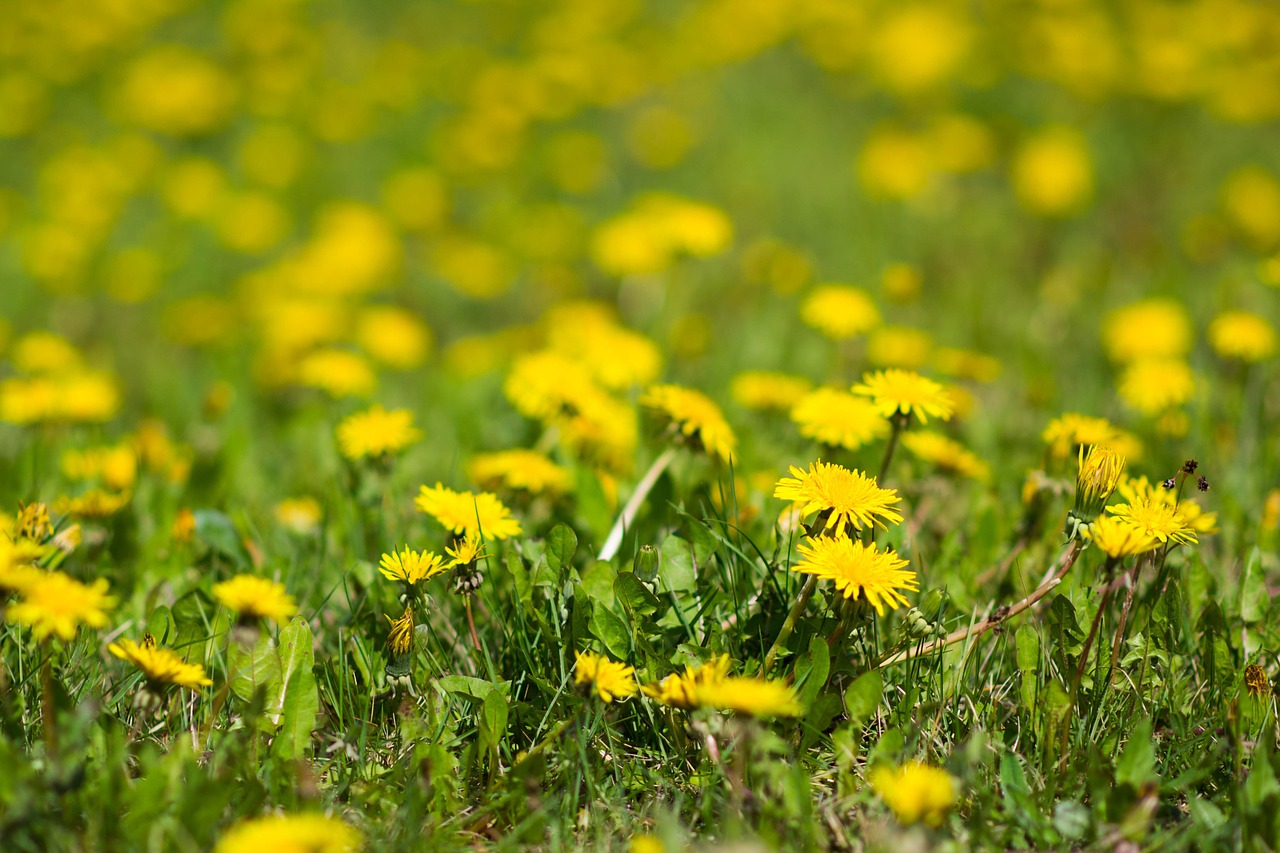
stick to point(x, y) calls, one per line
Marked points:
point(467, 512)
point(253, 597)
point(1242, 336)
point(754, 697)
point(839, 419)
point(905, 392)
point(1158, 519)
point(608, 679)
point(519, 469)
point(376, 432)
point(297, 833)
point(858, 570)
point(840, 311)
point(682, 690)
point(410, 566)
point(850, 497)
point(161, 667)
point(948, 455)
point(695, 416)
point(1149, 329)
point(1118, 539)
point(915, 792)
point(57, 604)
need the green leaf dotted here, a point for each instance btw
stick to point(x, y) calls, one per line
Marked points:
point(249, 669)
point(1072, 819)
point(493, 719)
point(597, 582)
point(216, 531)
point(702, 538)
point(520, 576)
point(1254, 598)
point(1027, 642)
point(635, 596)
point(677, 572)
point(160, 625)
point(301, 699)
point(562, 544)
point(1136, 764)
point(472, 688)
point(612, 630)
point(863, 696)
point(812, 669)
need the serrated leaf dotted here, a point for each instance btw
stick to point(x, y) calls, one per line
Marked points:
point(301, 698)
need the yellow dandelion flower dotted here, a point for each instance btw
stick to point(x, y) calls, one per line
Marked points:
point(16, 577)
point(1053, 173)
point(839, 419)
point(338, 373)
point(518, 469)
point(1156, 518)
point(858, 570)
point(161, 667)
point(301, 515)
point(1096, 479)
point(1153, 386)
point(915, 792)
point(848, 497)
point(400, 638)
point(410, 566)
point(33, 522)
point(1242, 336)
point(609, 679)
point(694, 415)
point(682, 690)
point(840, 311)
point(252, 597)
point(950, 456)
point(907, 393)
point(615, 357)
point(899, 346)
point(1152, 328)
point(465, 512)
point(763, 389)
point(57, 604)
point(376, 432)
point(95, 503)
point(546, 385)
point(1066, 434)
point(1118, 538)
point(1256, 681)
point(465, 551)
point(298, 833)
point(754, 697)
point(1137, 489)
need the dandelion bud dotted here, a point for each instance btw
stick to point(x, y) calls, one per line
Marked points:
point(1098, 476)
point(647, 563)
point(931, 604)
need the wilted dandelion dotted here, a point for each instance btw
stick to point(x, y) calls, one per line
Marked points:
point(400, 637)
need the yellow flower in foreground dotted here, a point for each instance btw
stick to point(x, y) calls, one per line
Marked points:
point(465, 551)
point(1119, 539)
point(897, 391)
point(951, 456)
point(1096, 479)
point(683, 690)
point(400, 638)
point(1139, 489)
point(1153, 386)
point(57, 604)
point(526, 470)
point(858, 569)
point(1243, 336)
point(251, 596)
point(839, 311)
point(755, 697)
point(915, 792)
point(410, 566)
point(376, 432)
point(300, 833)
point(851, 497)
point(839, 419)
point(609, 679)
point(694, 415)
point(1156, 518)
point(464, 512)
point(161, 667)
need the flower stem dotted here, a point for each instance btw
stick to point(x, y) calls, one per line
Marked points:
point(806, 592)
point(48, 711)
point(628, 514)
point(471, 623)
point(898, 421)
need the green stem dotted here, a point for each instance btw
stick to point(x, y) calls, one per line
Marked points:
point(898, 421)
point(632, 508)
point(48, 711)
point(806, 592)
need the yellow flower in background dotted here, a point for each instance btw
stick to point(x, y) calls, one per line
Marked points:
point(116, 467)
point(393, 336)
point(1118, 539)
point(1067, 433)
point(657, 228)
point(518, 469)
point(547, 384)
point(840, 311)
point(339, 373)
point(916, 47)
point(901, 283)
point(839, 419)
point(948, 455)
point(467, 512)
point(1153, 386)
point(858, 570)
point(175, 90)
point(895, 163)
point(754, 697)
point(588, 333)
point(252, 597)
point(44, 352)
point(376, 432)
point(848, 498)
point(296, 833)
point(17, 563)
point(1053, 172)
point(1155, 518)
point(683, 690)
point(899, 346)
point(1242, 336)
point(410, 566)
point(607, 679)
point(915, 792)
point(907, 393)
point(95, 503)
point(1251, 199)
point(56, 604)
point(161, 667)
point(765, 389)
point(301, 515)
point(694, 415)
point(1155, 328)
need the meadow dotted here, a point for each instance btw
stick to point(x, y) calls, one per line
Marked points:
point(639, 425)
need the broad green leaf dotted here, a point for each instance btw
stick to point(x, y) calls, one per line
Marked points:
point(612, 630)
point(863, 696)
point(677, 572)
point(248, 669)
point(493, 718)
point(635, 596)
point(1027, 642)
point(1254, 598)
point(472, 688)
point(1136, 764)
point(216, 530)
point(812, 669)
point(160, 625)
point(562, 544)
point(301, 700)
point(597, 582)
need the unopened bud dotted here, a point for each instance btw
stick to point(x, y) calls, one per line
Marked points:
point(647, 563)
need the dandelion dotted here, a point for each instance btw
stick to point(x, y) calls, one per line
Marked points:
point(858, 570)
point(682, 690)
point(1149, 329)
point(95, 503)
point(839, 419)
point(253, 597)
point(298, 833)
point(693, 414)
point(849, 498)
point(400, 638)
point(1255, 679)
point(465, 551)
point(1242, 336)
point(754, 697)
point(54, 603)
point(840, 311)
point(906, 393)
point(915, 792)
point(1163, 521)
point(160, 667)
point(465, 512)
point(1096, 480)
point(300, 515)
point(376, 432)
point(1066, 434)
point(1053, 173)
point(519, 469)
point(410, 566)
point(951, 456)
point(608, 679)
point(1117, 538)
point(1153, 386)
point(763, 389)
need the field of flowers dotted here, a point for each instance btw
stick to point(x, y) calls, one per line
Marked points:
point(639, 425)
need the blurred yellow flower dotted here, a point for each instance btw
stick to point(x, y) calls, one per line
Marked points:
point(161, 667)
point(693, 415)
point(915, 792)
point(468, 513)
point(520, 469)
point(754, 697)
point(606, 678)
point(906, 393)
point(1053, 172)
point(339, 373)
point(296, 833)
point(1150, 328)
point(840, 311)
point(301, 515)
point(948, 455)
point(918, 46)
point(763, 389)
point(894, 163)
point(393, 336)
point(175, 90)
point(682, 690)
point(839, 419)
point(899, 346)
point(253, 597)
point(54, 603)
point(1242, 336)
point(376, 432)
point(1154, 386)
point(1251, 197)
